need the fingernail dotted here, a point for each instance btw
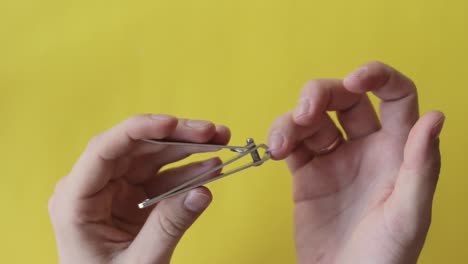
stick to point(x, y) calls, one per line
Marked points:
point(196, 201)
point(437, 128)
point(197, 123)
point(161, 117)
point(276, 141)
point(303, 107)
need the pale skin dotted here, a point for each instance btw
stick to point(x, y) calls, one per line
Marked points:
point(94, 208)
point(370, 200)
point(367, 201)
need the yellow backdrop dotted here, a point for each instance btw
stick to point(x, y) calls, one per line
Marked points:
point(70, 69)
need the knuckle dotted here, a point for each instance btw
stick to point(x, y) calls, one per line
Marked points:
point(60, 183)
point(134, 118)
point(410, 83)
point(140, 117)
point(378, 66)
point(404, 81)
point(50, 205)
point(172, 227)
point(94, 141)
point(130, 123)
point(319, 88)
point(376, 63)
point(280, 121)
point(312, 85)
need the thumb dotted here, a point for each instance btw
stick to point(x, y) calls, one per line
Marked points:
point(166, 224)
point(408, 210)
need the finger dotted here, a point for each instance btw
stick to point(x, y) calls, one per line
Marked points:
point(200, 131)
point(283, 135)
point(399, 106)
point(96, 165)
point(327, 133)
point(197, 131)
point(128, 196)
point(286, 135)
point(222, 135)
point(168, 179)
point(409, 206)
point(166, 224)
point(360, 120)
point(299, 157)
point(186, 128)
point(355, 112)
point(315, 144)
point(146, 166)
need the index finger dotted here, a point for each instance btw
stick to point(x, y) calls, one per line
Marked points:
point(399, 101)
point(97, 164)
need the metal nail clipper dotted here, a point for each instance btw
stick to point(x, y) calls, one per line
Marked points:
point(250, 149)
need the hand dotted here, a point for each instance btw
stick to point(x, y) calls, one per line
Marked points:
point(370, 199)
point(94, 208)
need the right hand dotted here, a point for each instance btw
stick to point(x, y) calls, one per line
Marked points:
point(369, 200)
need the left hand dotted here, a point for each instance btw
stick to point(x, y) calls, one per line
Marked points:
point(94, 208)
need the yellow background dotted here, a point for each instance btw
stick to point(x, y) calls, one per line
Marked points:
point(70, 69)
